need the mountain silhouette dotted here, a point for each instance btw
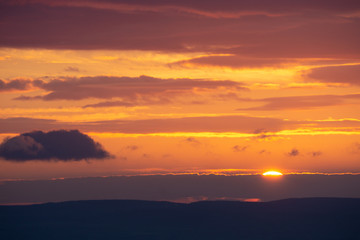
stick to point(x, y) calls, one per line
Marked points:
point(307, 218)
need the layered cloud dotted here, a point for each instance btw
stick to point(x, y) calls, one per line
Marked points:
point(236, 61)
point(17, 125)
point(15, 85)
point(349, 74)
point(251, 28)
point(132, 91)
point(302, 102)
point(59, 145)
point(242, 124)
point(220, 124)
point(208, 8)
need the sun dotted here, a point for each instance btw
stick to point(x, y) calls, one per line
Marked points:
point(272, 173)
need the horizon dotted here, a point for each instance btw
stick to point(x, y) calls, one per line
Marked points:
point(115, 89)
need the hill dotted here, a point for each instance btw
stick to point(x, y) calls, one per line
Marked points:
point(308, 218)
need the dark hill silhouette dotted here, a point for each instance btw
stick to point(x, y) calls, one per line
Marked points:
point(308, 218)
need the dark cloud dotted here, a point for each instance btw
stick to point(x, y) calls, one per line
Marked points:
point(192, 140)
point(238, 148)
point(264, 136)
point(293, 153)
point(300, 102)
point(15, 85)
point(132, 147)
point(27, 98)
point(276, 29)
point(259, 131)
point(315, 154)
point(59, 145)
point(132, 91)
point(349, 74)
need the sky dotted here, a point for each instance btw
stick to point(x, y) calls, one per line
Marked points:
point(94, 88)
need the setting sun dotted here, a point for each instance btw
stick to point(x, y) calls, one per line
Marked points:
point(272, 173)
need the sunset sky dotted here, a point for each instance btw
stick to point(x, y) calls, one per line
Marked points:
point(181, 87)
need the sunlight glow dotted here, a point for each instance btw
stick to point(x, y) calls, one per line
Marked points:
point(272, 173)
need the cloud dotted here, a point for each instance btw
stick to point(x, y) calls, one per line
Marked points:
point(132, 147)
point(111, 104)
point(71, 69)
point(15, 85)
point(238, 148)
point(199, 124)
point(264, 151)
point(264, 137)
point(201, 7)
point(235, 61)
point(132, 91)
point(241, 124)
point(275, 29)
point(300, 102)
point(27, 98)
point(17, 125)
point(262, 134)
point(349, 74)
point(293, 153)
point(215, 124)
point(315, 154)
point(155, 7)
point(59, 145)
point(192, 140)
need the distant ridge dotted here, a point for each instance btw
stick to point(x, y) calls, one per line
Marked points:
point(302, 218)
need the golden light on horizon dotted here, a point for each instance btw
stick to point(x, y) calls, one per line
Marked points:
point(272, 173)
point(210, 102)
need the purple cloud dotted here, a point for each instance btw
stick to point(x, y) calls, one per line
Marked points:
point(349, 74)
point(132, 91)
point(261, 29)
point(58, 145)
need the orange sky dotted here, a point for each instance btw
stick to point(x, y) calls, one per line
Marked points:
point(184, 86)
